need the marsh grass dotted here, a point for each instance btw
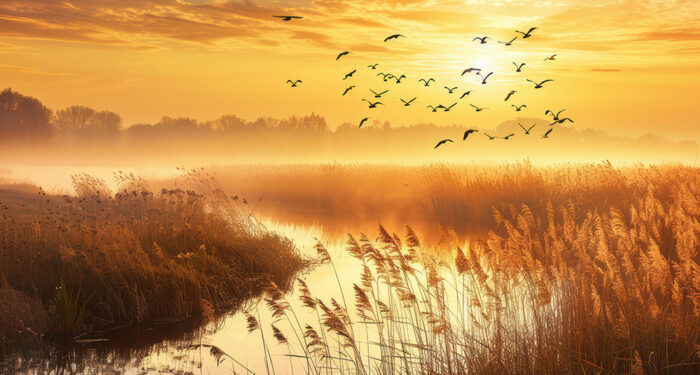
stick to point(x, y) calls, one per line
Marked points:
point(582, 286)
point(75, 266)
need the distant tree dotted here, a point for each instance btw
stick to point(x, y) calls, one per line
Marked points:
point(23, 117)
point(81, 121)
point(227, 123)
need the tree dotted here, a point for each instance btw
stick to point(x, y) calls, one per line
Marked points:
point(23, 117)
point(81, 121)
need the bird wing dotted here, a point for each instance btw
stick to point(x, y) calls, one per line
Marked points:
point(531, 30)
point(477, 38)
point(488, 75)
point(529, 80)
point(474, 106)
point(403, 101)
point(289, 81)
point(454, 104)
point(558, 113)
point(412, 99)
point(431, 79)
point(530, 128)
point(522, 127)
point(373, 92)
point(422, 80)
point(548, 112)
point(546, 80)
point(383, 92)
point(548, 131)
point(298, 81)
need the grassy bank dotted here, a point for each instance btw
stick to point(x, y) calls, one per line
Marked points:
point(588, 286)
point(73, 266)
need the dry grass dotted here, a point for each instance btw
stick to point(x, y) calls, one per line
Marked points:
point(73, 266)
point(601, 276)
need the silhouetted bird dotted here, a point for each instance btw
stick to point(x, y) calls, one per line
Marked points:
point(395, 36)
point(388, 76)
point(447, 109)
point(490, 137)
point(518, 68)
point(382, 74)
point(442, 143)
point(348, 89)
point(407, 103)
point(450, 90)
point(509, 95)
point(378, 95)
point(469, 70)
point(555, 117)
point(551, 58)
point(288, 18)
point(466, 133)
point(482, 39)
point(342, 54)
point(465, 94)
point(435, 108)
point(510, 42)
point(518, 108)
point(507, 137)
point(528, 33)
point(527, 130)
point(398, 79)
point(373, 105)
point(363, 121)
point(483, 78)
point(294, 83)
point(539, 85)
point(546, 135)
point(561, 121)
point(426, 83)
point(349, 74)
point(374, 66)
point(478, 109)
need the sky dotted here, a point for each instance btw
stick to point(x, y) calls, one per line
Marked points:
point(626, 67)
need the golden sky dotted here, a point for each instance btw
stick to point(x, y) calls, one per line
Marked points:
point(628, 67)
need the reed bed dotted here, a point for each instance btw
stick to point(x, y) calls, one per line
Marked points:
point(602, 277)
point(75, 266)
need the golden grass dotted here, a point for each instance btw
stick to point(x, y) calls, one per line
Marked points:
point(600, 276)
point(73, 266)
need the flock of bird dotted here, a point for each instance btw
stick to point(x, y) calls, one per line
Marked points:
point(482, 76)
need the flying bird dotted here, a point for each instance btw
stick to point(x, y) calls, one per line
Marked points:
point(490, 137)
point(465, 94)
point(407, 103)
point(507, 137)
point(518, 68)
point(442, 143)
point(466, 133)
point(450, 90)
point(483, 78)
point(398, 79)
point(528, 33)
point(350, 74)
point(469, 70)
point(509, 43)
point(288, 18)
point(426, 83)
point(555, 117)
point(482, 39)
point(478, 109)
point(539, 85)
point(518, 108)
point(348, 89)
point(294, 83)
point(551, 58)
point(363, 121)
point(561, 121)
point(447, 109)
point(546, 135)
point(342, 54)
point(378, 95)
point(435, 108)
point(527, 130)
point(373, 105)
point(395, 36)
point(374, 66)
point(509, 95)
